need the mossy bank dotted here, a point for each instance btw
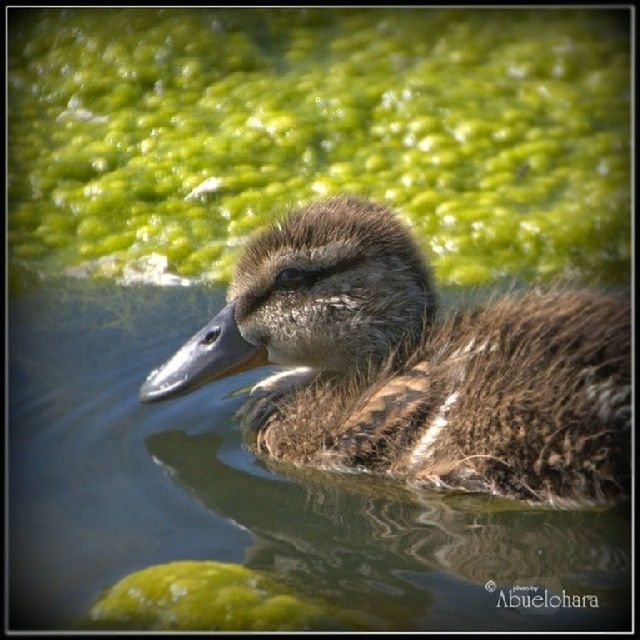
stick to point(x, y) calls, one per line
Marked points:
point(150, 142)
point(209, 596)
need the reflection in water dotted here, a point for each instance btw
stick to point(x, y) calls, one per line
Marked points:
point(339, 533)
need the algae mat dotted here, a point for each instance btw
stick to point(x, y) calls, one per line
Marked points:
point(207, 596)
point(147, 143)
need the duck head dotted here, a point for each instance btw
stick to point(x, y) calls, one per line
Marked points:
point(334, 286)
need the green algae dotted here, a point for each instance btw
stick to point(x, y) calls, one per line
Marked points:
point(503, 136)
point(206, 595)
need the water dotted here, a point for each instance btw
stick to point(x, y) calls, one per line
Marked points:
point(101, 486)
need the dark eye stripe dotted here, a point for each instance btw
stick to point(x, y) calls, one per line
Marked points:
point(249, 302)
point(296, 278)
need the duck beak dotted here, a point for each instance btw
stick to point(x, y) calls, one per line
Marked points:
point(216, 351)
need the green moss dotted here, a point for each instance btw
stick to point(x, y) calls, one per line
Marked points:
point(476, 124)
point(191, 595)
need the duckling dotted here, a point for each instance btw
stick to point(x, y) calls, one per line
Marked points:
point(524, 397)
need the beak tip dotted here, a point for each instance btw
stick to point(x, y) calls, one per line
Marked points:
point(151, 391)
point(146, 395)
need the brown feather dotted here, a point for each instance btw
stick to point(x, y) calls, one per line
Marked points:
point(527, 396)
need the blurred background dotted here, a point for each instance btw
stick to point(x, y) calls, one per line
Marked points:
point(145, 142)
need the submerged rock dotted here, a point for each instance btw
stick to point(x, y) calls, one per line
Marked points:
point(151, 269)
point(194, 595)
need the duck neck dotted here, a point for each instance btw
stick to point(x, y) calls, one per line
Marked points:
point(392, 360)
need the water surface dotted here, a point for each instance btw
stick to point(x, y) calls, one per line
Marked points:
point(101, 486)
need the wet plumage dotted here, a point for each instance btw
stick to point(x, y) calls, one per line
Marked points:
point(526, 396)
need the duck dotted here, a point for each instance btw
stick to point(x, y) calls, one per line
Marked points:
point(526, 396)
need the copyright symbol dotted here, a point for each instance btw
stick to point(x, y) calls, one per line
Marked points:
point(490, 586)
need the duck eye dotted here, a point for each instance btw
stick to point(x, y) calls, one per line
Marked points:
point(289, 278)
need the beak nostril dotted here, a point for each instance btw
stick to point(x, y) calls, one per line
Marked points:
point(211, 336)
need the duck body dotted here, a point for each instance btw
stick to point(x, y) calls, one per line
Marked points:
point(526, 397)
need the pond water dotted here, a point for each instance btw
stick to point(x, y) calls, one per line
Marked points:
point(101, 486)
